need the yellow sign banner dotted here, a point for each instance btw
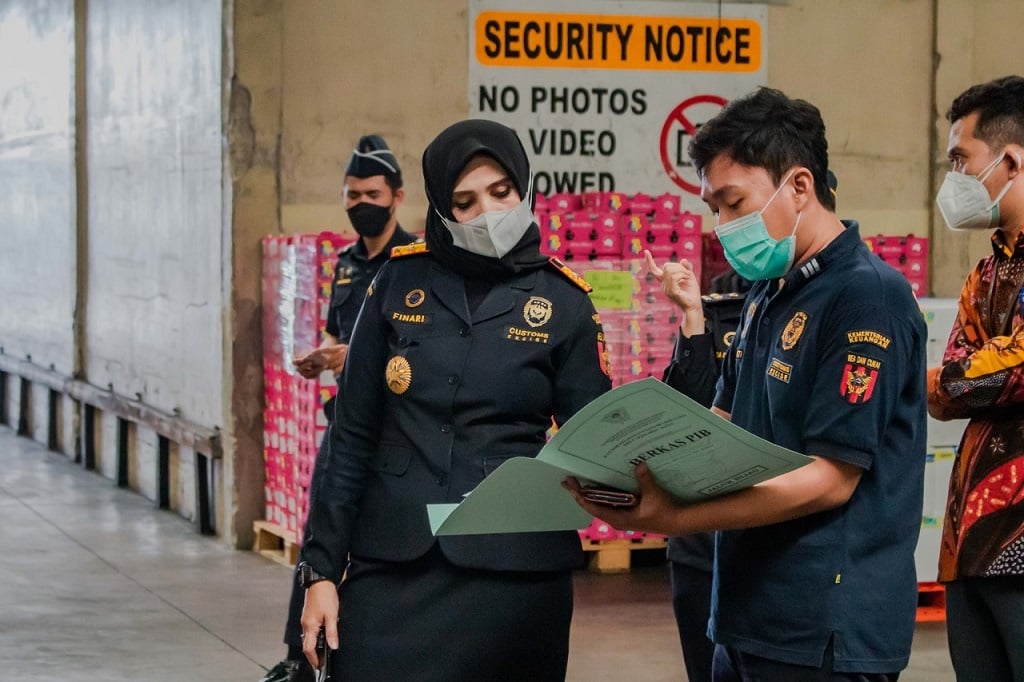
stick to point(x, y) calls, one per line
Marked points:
point(604, 41)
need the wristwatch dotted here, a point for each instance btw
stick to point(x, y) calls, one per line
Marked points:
point(308, 576)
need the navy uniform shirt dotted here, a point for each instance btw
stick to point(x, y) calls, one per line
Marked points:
point(352, 275)
point(832, 364)
point(446, 396)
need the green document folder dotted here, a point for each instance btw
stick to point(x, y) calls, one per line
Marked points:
point(693, 454)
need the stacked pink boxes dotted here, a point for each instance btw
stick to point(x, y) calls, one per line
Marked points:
point(603, 235)
point(908, 254)
point(297, 273)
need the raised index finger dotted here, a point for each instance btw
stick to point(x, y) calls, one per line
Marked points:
point(653, 267)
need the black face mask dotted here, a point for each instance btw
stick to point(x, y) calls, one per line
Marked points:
point(369, 220)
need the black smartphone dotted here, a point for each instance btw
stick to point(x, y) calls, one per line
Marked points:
point(611, 497)
point(323, 672)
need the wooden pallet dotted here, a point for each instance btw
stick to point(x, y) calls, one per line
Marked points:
point(931, 602)
point(274, 542)
point(613, 556)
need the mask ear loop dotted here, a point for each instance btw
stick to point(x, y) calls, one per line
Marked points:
point(798, 216)
point(778, 189)
point(989, 169)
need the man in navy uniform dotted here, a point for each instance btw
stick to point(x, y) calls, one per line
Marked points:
point(814, 575)
point(372, 193)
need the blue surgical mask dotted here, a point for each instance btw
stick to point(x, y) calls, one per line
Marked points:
point(751, 251)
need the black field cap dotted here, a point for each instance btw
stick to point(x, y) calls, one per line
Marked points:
point(372, 157)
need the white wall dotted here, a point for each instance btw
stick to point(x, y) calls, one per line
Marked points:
point(155, 299)
point(37, 216)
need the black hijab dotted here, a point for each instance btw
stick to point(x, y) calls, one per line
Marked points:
point(443, 161)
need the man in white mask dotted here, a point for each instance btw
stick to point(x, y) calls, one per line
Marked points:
point(981, 560)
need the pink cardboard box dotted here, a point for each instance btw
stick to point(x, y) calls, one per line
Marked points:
point(690, 224)
point(635, 224)
point(666, 205)
point(564, 202)
point(641, 204)
point(890, 248)
point(916, 247)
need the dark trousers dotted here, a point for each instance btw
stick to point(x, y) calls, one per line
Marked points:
point(985, 626)
point(292, 627)
point(691, 603)
point(732, 665)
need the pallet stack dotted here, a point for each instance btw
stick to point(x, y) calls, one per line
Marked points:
point(603, 235)
point(297, 273)
point(908, 254)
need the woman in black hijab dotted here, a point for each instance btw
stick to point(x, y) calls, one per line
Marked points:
point(466, 349)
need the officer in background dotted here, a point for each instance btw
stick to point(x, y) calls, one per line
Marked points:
point(372, 193)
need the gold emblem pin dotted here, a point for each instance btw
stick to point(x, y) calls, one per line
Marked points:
point(795, 327)
point(415, 298)
point(398, 375)
point(537, 311)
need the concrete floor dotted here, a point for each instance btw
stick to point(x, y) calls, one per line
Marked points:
point(97, 585)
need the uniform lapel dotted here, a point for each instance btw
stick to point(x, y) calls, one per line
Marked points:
point(450, 291)
point(502, 297)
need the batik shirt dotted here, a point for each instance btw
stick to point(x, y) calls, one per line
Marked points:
point(982, 378)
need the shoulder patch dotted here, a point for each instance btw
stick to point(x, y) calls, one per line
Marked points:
point(715, 298)
point(409, 249)
point(570, 274)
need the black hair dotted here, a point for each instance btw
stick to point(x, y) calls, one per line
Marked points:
point(1000, 107)
point(768, 130)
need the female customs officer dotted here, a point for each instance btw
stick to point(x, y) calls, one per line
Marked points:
point(466, 349)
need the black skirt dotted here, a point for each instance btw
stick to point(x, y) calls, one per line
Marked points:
point(430, 620)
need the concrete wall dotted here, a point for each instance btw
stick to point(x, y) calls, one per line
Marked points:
point(37, 190)
point(254, 103)
point(975, 42)
point(866, 65)
point(392, 67)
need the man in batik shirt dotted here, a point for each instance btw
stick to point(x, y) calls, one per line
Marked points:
point(982, 378)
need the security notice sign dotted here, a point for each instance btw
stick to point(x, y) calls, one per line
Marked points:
point(607, 95)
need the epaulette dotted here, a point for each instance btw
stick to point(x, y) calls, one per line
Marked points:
point(408, 249)
point(570, 274)
point(716, 298)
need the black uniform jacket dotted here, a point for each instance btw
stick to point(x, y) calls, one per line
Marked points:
point(444, 398)
point(694, 371)
point(352, 275)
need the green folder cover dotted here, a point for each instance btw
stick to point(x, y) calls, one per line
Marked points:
point(693, 453)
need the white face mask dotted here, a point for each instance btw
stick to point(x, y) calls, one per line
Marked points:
point(493, 233)
point(964, 203)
